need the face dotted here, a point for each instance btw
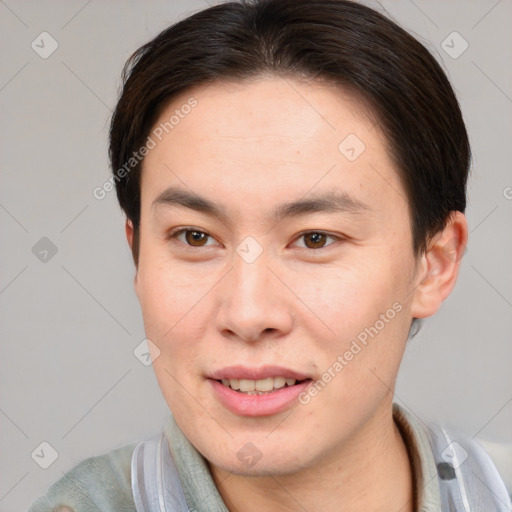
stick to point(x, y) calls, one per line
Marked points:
point(276, 257)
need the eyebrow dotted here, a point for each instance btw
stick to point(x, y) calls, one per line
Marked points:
point(318, 203)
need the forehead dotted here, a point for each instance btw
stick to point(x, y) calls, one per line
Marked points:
point(267, 139)
point(271, 109)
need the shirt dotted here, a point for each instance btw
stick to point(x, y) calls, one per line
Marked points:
point(103, 483)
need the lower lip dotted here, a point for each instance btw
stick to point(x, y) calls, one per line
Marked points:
point(258, 405)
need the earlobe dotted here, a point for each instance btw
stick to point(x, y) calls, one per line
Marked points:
point(439, 267)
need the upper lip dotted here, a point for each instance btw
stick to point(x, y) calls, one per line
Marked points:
point(256, 373)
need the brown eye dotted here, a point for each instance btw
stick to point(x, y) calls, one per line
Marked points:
point(193, 237)
point(316, 240)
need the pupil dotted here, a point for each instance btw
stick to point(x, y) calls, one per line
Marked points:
point(195, 236)
point(316, 238)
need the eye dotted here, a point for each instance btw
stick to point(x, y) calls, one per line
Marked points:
point(197, 238)
point(316, 239)
point(192, 237)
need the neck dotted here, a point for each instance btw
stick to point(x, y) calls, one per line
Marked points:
point(371, 472)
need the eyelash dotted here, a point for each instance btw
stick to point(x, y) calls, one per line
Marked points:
point(177, 232)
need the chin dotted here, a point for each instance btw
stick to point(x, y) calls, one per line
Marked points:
point(260, 457)
point(277, 465)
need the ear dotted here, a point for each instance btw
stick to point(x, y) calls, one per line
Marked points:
point(128, 229)
point(130, 237)
point(438, 267)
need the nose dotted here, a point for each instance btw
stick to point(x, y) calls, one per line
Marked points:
point(254, 302)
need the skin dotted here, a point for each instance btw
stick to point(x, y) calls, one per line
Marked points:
point(250, 147)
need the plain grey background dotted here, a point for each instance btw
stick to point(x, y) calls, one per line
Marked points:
point(70, 318)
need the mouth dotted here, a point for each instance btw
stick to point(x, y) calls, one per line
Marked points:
point(258, 391)
point(260, 386)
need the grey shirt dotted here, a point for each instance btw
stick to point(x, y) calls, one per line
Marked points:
point(103, 483)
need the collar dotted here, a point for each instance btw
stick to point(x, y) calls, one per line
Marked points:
point(426, 490)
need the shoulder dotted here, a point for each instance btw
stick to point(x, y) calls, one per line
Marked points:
point(501, 454)
point(101, 483)
point(467, 472)
point(454, 468)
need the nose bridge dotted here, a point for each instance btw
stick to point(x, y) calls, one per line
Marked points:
point(252, 301)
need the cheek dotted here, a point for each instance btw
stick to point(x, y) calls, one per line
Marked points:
point(365, 306)
point(168, 296)
point(350, 297)
point(174, 321)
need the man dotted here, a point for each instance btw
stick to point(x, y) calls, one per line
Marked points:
point(293, 175)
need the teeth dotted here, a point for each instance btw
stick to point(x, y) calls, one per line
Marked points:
point(279, 382)
point(258, 387)
point(246, 385)
point(264, 384)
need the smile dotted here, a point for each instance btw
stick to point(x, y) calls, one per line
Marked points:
point(258, 387)
point(261, 391)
